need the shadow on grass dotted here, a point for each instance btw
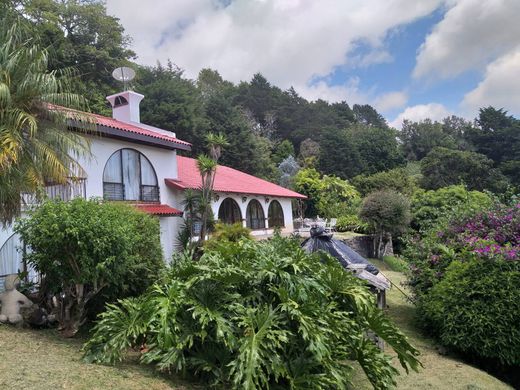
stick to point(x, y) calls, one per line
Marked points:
point(70, 349)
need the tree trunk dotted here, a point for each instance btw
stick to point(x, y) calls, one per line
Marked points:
point(72, 309)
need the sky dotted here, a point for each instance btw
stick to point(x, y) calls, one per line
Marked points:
point(410, 59)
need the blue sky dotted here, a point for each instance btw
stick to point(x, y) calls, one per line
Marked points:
point(410, 59)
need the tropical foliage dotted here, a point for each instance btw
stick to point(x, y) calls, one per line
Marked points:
point(90, 251)
point(463, 273)
point(428, 207)
point(252, 315)
point(329, 196)
point(352, 223)
point(36, 147)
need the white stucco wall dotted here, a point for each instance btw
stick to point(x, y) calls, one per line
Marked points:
point(284, 202)
point(164, 161)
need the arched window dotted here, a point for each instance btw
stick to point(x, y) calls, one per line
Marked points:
point(275, 214)
point(229, 212)
point(11, 256)
point(255, 215)
point(128, 175)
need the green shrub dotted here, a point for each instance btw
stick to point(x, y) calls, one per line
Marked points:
point(474, 308)
point(91, 250)
point(387, 213)
point(430, 206)
point(396, 263)
point(256, 315)
point(352, 223)
point(228, 233)
point(328, 196)
point(465, 273)
point(397, 179)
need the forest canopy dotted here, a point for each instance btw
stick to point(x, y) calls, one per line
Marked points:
point(266, 125)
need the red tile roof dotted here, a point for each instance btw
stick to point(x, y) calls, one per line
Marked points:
point(132, 128)
point(227, 180)
point(158, 209)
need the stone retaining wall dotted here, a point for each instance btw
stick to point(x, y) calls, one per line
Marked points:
point(364, 245)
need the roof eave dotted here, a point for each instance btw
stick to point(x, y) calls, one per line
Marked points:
point(112, 132)
point(177, 185)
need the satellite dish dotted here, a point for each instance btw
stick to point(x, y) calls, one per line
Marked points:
point(124, 74)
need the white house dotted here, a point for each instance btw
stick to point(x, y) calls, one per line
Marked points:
point(138, 163)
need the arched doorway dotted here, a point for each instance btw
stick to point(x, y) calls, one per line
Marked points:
point(255, 218)
point(229, 211)
point(275, 214)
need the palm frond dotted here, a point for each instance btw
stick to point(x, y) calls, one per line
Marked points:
point(35, 143)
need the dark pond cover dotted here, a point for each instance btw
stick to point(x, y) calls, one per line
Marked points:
point(321, 240)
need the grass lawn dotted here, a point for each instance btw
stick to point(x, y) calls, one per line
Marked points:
point(439, 372)
point(31, 359)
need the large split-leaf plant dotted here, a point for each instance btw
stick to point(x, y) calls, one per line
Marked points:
point(256, 315)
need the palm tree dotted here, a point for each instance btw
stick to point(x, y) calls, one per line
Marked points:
point(207, 166)
point(36, 146)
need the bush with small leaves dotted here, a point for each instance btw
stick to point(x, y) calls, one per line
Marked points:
point(91, 252)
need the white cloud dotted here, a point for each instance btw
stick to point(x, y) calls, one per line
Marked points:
point(500, 86)
point(390, 101)
point(291, 42)
point(434, 111)
point(378, 56)
point(472, 33)
point(349, 91)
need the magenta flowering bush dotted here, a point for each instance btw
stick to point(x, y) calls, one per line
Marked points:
point(488, 234)
point(492, 233)
point(465, 274)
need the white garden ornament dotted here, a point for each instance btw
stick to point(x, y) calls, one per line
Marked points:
point(12, 301)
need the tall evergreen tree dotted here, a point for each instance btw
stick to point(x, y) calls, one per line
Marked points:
point(79, 34)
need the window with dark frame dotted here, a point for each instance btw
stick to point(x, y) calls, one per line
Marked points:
point(229, 211)
point(129, 175)
point(275, 214)
point(255, 218)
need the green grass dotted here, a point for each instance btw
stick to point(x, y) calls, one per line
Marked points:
point(440, 371)
point(395, 263)
point(31, 359)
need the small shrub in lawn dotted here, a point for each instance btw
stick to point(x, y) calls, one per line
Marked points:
point(256, 315)
point(387, 213)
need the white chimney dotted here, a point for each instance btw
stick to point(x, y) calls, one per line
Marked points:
point(125, 106)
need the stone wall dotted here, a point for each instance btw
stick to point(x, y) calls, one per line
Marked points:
point(364, 245)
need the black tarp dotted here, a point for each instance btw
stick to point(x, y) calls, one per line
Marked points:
point(320, 240)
